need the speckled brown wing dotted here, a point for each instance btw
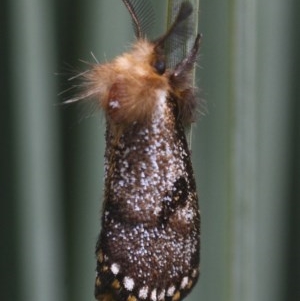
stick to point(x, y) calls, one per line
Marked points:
point(149, 245)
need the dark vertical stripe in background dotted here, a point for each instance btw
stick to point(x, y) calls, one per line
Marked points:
point(245, 150)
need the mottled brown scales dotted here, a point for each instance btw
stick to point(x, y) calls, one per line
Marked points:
point(190, 284)
point(107, 297)
point(131, 298)
point(104, 268)
point(116, 284)
point(176, 296)
point(100, 256)
point(148, 248)
point(97, 282)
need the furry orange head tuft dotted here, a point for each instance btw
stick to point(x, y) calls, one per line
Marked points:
point(128, 87)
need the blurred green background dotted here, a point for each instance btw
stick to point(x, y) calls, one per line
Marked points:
point(245, 150)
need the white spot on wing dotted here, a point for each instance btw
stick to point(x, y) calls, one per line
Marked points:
point(128, 283)
point(153, 296)
point(161, 295)
point(115, 268)
point(143, 292)
point(171, 291)
point(184, 282)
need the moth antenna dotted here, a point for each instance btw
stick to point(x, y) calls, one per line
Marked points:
point(137, 26)
point(185, 11)
point(188, 63)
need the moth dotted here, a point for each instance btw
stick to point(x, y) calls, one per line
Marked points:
point(148, 248)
